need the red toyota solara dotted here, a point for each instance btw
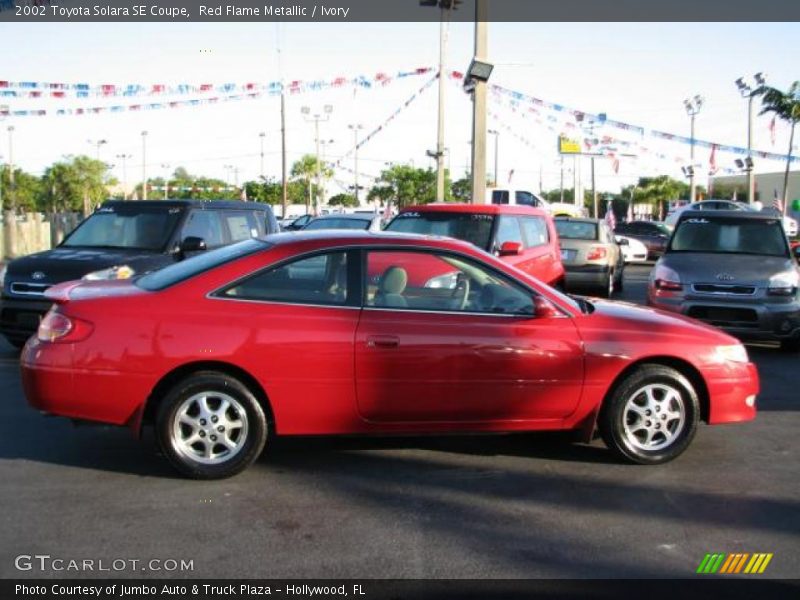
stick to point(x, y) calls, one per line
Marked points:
point(291, 335)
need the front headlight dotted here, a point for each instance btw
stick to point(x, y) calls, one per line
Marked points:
point(734, 353)
point(784, 284)
point(116, 272)
point(664, 278)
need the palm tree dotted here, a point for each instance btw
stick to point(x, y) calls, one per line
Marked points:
point(305, 170)
point(786, 106)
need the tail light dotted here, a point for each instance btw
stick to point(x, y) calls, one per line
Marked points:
point(670, 286)
point(59, 328)
point(596, 253)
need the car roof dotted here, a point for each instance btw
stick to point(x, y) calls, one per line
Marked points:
point(732, 214)
point(578, 219)
point(483, 209)
point(218, 204)
point(359, 237)
point(358, 216)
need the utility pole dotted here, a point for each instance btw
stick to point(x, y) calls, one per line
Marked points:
point(12, 192)
point(124, 158)
point(328, 109)
point(693, 106)
point(496, 135)
point(284, 182)
point(355, 127)
point(594, 194)
point(166, 181)
point(144, 165)
point(325, 144)
point(261, 136)
point(479, 108)
point(443, 21)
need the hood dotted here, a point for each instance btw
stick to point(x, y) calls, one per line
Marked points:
point(643, 318)
point(66, 264)
point(746, 269)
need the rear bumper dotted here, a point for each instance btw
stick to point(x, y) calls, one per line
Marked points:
point(19, 319)
point(587, 275)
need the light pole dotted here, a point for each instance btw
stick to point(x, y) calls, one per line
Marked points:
point(166, 180)
point(144, 165)
point(261, 136)
point(693, 106)
point(478, 74)
point(316, 118)
point(355, 127)
point(11, 191)
point(325, 144)
point(749, 91)
point(124, 158)
point(97, 145)
point(496, 135)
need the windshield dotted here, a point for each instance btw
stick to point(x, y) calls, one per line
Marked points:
point(473, 228)
point(730, 236)
point(183, 270)
point(576, 230)
point(135, 227)
point(338, 223)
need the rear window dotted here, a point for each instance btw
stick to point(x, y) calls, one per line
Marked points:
point(730, 236)
point(576, 230)
point(338, 223)
point(128, 227)
point(473, 228)
point(185, 269)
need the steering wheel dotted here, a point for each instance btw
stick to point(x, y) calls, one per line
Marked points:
point(460, 295)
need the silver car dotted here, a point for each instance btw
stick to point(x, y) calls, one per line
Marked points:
point(733, 270)
point(590, 254)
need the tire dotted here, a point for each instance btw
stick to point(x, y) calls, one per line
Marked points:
point(792, 345)
point(620, 281)
point(193, 410)
point(607, 290)
point(626, 423)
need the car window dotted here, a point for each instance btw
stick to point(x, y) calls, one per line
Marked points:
point(243, 224)
point(474, 228)
point(525, 199)
point(507, 231)
point(204, 224)
point(576, 230)
point(500, 197)
point(535, 229)
point(126, 227)
point(338, 223)
point(730, 236)
point(433, 281)
point(319, 279)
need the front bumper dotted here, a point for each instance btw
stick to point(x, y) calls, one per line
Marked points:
point(732, 390)
point(747, 320)
point(19, 318)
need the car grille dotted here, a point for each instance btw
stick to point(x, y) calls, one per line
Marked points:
point(722, 316)
point(29, 289)
point(714, 288)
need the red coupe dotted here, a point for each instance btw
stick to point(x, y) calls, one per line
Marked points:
point(289, 335)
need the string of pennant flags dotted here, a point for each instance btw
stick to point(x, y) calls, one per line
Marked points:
point(61, 91)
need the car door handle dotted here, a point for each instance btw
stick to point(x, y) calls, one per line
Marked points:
point(383, 341)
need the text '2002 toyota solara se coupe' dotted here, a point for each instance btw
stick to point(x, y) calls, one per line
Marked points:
point(370, 333)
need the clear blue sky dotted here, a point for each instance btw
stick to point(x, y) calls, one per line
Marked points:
point(638, 73)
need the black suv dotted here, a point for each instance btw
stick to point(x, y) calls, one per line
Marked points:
point(119, 240)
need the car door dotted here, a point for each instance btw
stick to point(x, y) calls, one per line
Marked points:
point(540, 257)
point(471, 351)
point(302, 316)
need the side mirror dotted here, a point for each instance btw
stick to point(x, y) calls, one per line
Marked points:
point(510, 249)
point(192, 244)
point(543, 308)
point(622, 241)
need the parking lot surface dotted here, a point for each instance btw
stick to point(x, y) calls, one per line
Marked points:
point(474, 507)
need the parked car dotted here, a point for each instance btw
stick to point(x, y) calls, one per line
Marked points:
point(523, 236)
point(789, 224)
point(295, 223)
point(591, 256)
point(356, 220)
point(119, 240)
point(333, 352)
point(733, 270)
point(633, 251)
point(504, 196)
point(652, 234)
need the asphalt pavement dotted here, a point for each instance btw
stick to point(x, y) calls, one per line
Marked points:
point(521, 506)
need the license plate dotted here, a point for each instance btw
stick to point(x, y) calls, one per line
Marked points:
point(566, 254)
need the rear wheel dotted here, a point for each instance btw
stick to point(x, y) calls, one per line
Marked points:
point(608, 287)
point(211, 426)
point(651, 416)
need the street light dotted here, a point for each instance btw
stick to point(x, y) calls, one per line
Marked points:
point(11, 191)
point(144, 165)
point(355, 127)
point(325, 144)
point(496, 135)
point(124, 158)
point(261, 136)
point(97, 145)
point(749, 90)
point(693, 106)
point(166, 180)
point(316, 118)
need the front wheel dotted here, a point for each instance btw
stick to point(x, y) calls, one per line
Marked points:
point(211, 426)
point(651, 416)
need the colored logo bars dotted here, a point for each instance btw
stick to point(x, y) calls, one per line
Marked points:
point(735, 563)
